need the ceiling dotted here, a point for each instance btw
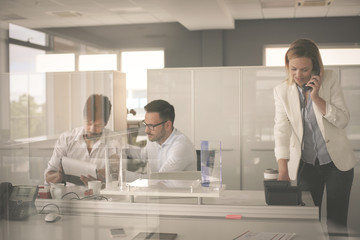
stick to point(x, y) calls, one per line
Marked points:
point(192, 14)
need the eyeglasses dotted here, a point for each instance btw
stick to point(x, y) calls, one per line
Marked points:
point(152, 126)
point(95, 125)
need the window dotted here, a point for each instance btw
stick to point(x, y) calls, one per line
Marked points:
point(97, 62)
point(27, 92)
point(340, 56)
point(135, 65)
point(55, 62)
point(27, 35)
point(275, 56)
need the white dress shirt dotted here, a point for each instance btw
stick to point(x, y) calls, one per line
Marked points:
point(177, 153)
point(72, 145)
point(314, 143)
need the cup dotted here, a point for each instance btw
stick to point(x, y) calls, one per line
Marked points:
point(271, 174)
point(44, 192)
point(57, 190)
point(95, 186)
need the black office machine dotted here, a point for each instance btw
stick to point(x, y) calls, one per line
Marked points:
point(282, 193)
point(17, 202)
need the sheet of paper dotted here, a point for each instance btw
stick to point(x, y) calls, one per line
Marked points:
point(139, 183)
point(265, 236)
point(77, 168)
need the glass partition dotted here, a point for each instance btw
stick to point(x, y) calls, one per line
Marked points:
point(232, 105)
point(236, 106)
point(31, 125)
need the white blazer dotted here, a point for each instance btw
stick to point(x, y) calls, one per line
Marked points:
point(288, 128)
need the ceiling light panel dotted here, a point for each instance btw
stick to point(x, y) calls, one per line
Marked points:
point(66, 14)
point(244, 9)
point(278, 13)
point(313, 3)
point(116, 3)
point(277, 3)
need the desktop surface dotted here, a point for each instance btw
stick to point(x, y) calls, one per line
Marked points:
point(93, 219)
point(93, 226)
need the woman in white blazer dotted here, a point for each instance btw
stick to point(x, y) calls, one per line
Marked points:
point(310, 139)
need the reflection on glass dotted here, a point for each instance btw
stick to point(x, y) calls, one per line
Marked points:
point(135, 65)
point(27, 118)
point(37, 109)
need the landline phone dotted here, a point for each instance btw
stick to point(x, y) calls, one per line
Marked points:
point(282, 193)
point(17, 202)
point(316, 71)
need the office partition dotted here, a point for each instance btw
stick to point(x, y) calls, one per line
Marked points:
point(235, 105)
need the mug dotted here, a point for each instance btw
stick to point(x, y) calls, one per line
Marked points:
point(95, 186)
point(57, 190)
point(271, 174)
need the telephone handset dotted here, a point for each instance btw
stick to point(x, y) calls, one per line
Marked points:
point(17, 202)
point(316, 71)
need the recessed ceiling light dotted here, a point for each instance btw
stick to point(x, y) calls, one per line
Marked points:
point(277, 4)
point(65, 14)
point(127, 10)
point(313, 3)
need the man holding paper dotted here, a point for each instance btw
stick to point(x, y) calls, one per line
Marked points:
point(82, 151)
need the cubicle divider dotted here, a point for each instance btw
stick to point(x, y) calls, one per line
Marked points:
point(235, 105)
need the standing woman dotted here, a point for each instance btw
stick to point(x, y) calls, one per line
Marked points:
point(310, 138)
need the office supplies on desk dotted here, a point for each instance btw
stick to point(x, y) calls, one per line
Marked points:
point(17, 202)
point(44, 192)
point(282, 193)
point(233, 216)
point(73, 169)
point(155, 236)
point(95, 186)
point(264, 236)
point(57, 190)
point(165, 184)
point(51, 217)
point(117, 232)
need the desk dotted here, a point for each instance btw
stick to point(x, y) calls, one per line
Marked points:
point(93, 227)
point(167, 188)
point(93, 219)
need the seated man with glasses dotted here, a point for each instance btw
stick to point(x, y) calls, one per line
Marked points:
point(87, 143)
point(167, 149)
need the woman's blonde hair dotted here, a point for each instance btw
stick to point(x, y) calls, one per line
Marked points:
point(304, 48)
